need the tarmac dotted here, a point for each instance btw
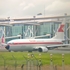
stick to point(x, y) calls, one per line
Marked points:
point(3, 49)
point(56, 50)
point(60, 50)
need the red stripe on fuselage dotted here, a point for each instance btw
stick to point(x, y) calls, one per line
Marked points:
point(34, 43)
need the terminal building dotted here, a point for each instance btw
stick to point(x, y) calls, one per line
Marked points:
point(31, 29)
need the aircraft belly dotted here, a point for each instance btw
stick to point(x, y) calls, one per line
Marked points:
point(25, 47)
point(21, 48)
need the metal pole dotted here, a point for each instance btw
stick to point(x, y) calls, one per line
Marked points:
point(40, 63)
point(36, 60)
point(32, 62)
point(28, 62)
point(15, 62)
point(22, 33)
point(51, 62)
point(63, 67)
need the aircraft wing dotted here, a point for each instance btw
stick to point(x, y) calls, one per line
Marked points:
point(46, 48)
point(3, 44)
point(55, 46)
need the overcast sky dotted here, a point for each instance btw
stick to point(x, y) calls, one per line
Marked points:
point(30, 8)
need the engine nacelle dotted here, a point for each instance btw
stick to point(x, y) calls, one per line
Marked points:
point(42, 49)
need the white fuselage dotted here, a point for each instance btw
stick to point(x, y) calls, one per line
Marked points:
point(29, 44)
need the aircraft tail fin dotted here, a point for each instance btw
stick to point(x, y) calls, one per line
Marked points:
point(60, 32)
point(3, 39)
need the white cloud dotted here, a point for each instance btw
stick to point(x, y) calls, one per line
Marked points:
point(28, 6)
point(22, 4)
point(58, 7)
point(22, 8)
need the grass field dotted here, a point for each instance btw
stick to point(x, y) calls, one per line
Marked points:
point(10, 58)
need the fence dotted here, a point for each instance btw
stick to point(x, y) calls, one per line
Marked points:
point(29, 63)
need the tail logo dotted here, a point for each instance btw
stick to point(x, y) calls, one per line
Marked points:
point(3, 40)
point(61, 28)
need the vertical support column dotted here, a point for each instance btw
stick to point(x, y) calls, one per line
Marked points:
point(63, 66)
point(29, 62)
point(22, 33)
point(69, 32)
point(32, 31)
point(33, 27)
point(66, 28)
point(40, 62)
point(51, 63)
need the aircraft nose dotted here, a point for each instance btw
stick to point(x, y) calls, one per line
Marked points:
point(7, 47)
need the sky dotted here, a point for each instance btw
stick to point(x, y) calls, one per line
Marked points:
point(30, 8)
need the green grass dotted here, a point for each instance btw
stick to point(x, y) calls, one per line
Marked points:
point(21, 57)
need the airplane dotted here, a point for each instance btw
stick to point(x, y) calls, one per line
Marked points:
point(41, 45)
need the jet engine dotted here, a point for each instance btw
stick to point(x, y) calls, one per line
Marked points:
point(42, 49)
